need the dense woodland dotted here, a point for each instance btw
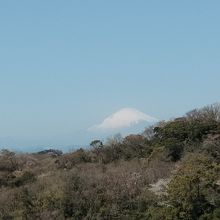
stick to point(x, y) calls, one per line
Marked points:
point(170, 171)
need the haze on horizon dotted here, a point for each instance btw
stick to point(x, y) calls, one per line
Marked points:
point(68, 66)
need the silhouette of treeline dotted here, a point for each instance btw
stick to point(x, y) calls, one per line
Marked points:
point(170, 171)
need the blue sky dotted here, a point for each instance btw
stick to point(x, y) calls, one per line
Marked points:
point(66, 65)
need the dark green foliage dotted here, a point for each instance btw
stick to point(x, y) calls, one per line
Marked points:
point(27, 205)
point(190, 188)
point(212, 148)
point(136, 146)
point(186, 133)
point(133, 146)
point(72, 198)
point(27, 177)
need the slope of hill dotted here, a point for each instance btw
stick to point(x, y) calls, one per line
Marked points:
point(170, 171)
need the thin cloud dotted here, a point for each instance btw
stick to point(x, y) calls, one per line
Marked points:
point(123, 118)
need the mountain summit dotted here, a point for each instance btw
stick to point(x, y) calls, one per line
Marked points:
point(123, 118)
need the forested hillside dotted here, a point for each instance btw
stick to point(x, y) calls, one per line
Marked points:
point(170, 171)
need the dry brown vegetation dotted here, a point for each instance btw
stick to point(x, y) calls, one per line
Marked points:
point(171, 171)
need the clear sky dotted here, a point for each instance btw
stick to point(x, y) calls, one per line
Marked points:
point(66, 65)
